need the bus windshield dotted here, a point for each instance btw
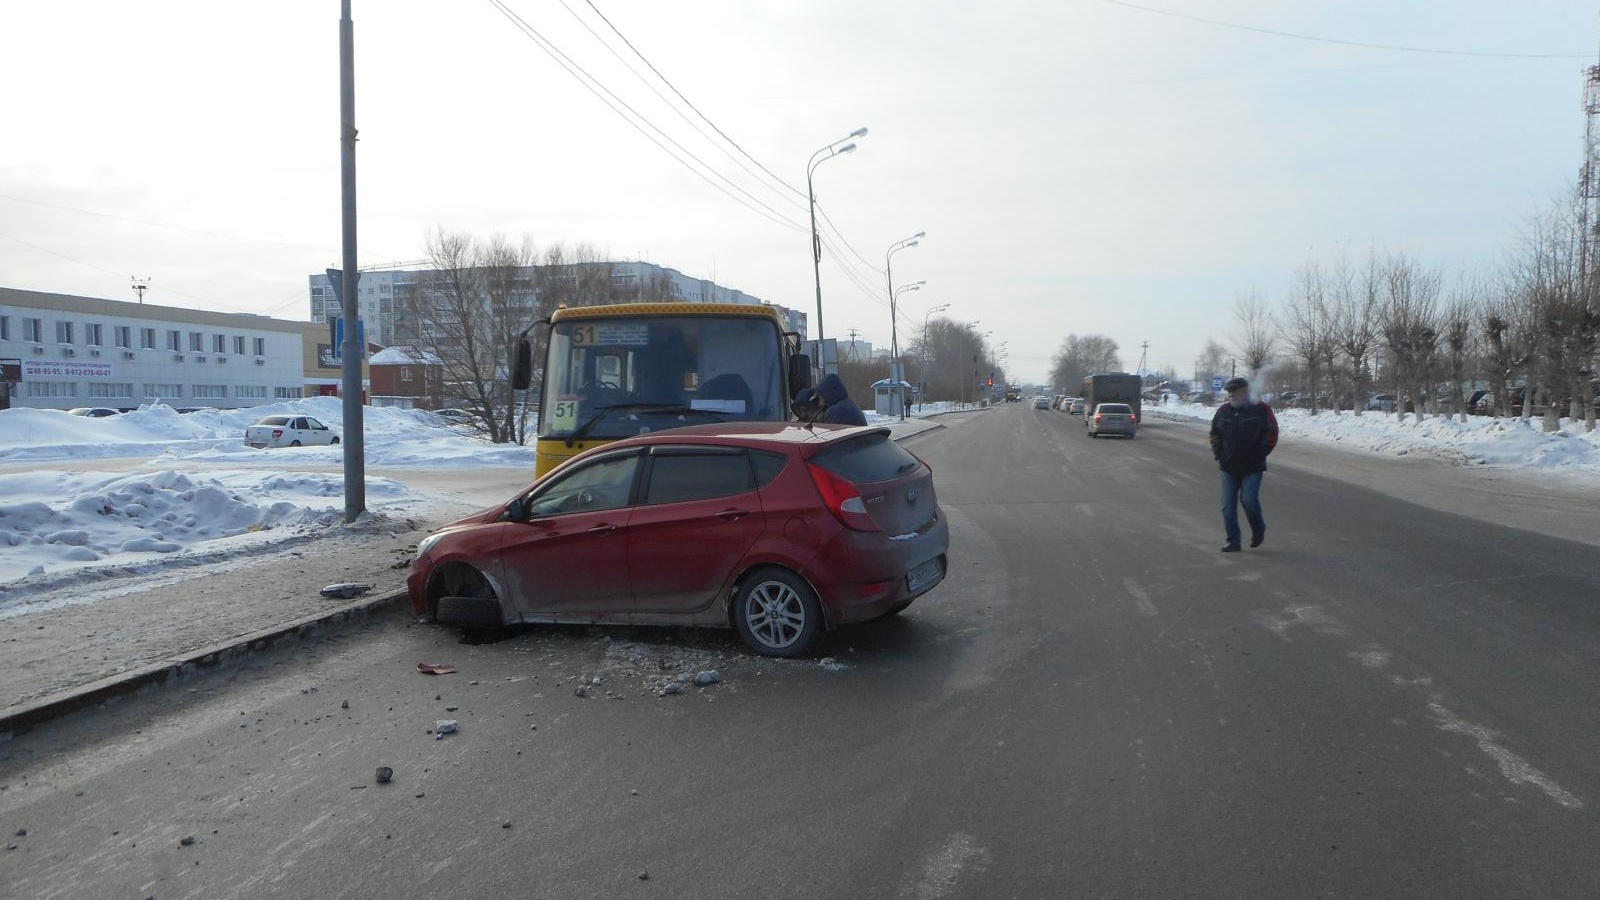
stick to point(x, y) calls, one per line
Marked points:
point(612, 377)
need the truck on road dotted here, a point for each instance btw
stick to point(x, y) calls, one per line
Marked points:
point(1113, 387)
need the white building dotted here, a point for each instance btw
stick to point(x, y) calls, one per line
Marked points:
point(68, 351)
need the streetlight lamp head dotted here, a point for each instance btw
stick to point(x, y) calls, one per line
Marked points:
point(920, 234)
point(859, 132)
point(847, 148)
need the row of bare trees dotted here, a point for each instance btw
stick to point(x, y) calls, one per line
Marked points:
point(1081, 356)
point(480, 296)
point(949, 359)
point(1347, 329)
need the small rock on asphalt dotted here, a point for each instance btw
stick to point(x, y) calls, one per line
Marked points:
point(187, 841)
point(446, 726)
point(709, 676)
point(385, 774)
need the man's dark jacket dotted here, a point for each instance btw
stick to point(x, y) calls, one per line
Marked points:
point(1241, 437)
point(840, 410)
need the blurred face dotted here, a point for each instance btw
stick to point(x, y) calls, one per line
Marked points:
point(1238, 396)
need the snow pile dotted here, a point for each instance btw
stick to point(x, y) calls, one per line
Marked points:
point(1481, 440)
point(53, 521)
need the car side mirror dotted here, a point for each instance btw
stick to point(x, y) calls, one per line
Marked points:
point(517, 510)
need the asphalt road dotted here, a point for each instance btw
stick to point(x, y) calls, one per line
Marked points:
point(1388, 699)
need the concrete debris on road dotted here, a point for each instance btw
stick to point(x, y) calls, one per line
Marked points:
point(435, 668)
point(385, 775)
point(347, 590)
point(707, 677)
point(444, 727)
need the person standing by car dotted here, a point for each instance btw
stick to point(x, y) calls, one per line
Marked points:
point(838, 408)
point(1243, 431)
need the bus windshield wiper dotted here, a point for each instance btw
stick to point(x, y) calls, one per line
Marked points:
point(666, 408)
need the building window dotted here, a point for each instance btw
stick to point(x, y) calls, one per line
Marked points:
point(175, 341)
point(238, 345)
point(64, 332)
point(405, 373)
point(287, 393)
point(250, 392)
point(33, 330)
point(261, 346)
point(100, 390)
point(5, 328)
point(52, 389)
point(197, 342)
point(147, 338)
point(170, 391)
point(124, 336)
point(210, 392)
point(219, 343)
point(93, 334)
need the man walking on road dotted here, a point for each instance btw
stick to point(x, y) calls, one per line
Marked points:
point(1243, 431)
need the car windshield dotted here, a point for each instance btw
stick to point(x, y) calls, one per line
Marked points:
point(1116, 408)
point(611, 378)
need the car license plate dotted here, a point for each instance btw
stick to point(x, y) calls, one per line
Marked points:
point(924, 575)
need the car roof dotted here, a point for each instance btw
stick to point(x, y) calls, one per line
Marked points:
point(775, 433)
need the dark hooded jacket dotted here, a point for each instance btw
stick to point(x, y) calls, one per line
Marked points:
point(1242, 437)
point(840, 409)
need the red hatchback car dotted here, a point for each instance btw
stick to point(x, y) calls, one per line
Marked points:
point(777, 530)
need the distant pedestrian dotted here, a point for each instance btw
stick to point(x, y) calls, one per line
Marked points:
point(807, 406)
point(838, 408)
point(1243, 431)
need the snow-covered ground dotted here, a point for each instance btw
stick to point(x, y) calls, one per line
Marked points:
point(201, 492)
point(1570, 453)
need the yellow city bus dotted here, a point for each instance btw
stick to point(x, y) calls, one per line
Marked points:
point(615, 371)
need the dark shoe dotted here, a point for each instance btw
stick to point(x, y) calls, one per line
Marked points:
point(1256, 539)
point(1230, 548)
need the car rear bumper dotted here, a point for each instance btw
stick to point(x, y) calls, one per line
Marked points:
point(864, 575)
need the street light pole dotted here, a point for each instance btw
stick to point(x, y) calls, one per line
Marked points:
point(967, 332)
point(896, 363)
point(922, 369)
point(826, 153)
point(894, 332)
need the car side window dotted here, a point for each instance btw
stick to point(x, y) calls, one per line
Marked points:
point(298, 424)
point(314, 425)
point(601, 485)
point(676, 478)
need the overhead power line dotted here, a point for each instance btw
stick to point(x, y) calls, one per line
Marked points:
point(634, 119)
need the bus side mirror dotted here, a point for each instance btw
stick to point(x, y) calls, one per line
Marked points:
point(799, 374)
point(522, 365)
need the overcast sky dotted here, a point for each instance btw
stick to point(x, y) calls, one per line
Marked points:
point(1080, 166)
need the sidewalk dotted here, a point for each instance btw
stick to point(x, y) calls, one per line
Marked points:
point(89, 643)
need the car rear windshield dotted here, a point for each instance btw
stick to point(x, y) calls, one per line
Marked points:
point(1122, 408)
point(274, 420)
point(867, 459)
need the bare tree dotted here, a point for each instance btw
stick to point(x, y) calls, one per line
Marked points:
point(1212, 360)
point(468, 311)
point(1457, 340)
point(1545, 278)
point(1355, 327)
point(1408, 315)
point(1307, 326)
point(1256, 338)
point(1081, 356)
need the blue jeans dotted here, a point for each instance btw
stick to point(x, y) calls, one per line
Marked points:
point(1244, 489)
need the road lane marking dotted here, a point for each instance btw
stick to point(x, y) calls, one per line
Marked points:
point(1140, 598)
point(1515, 769)
point(944, 866)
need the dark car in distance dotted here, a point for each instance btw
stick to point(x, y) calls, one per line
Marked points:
point(778, 531)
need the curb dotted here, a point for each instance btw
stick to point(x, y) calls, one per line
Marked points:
point(31, 714)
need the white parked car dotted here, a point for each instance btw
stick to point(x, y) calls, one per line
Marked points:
point(289, 431)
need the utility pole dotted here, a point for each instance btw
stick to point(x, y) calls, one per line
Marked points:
point(140, 285)
point(1143, 355)
point(1589, 177)
point(355, 479)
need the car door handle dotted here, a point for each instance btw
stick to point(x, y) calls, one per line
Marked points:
point(733, 515)
point(602, 528)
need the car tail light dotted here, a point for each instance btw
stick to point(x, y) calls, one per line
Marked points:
point(1099, 418)
point(277, 433)
point(840, 496)
point(1134, 417)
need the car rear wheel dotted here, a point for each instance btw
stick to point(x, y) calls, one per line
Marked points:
point(777, 613)
point(294, 443)
point(336, 440)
